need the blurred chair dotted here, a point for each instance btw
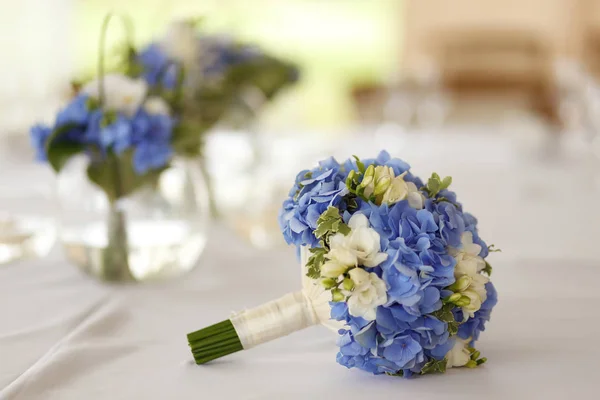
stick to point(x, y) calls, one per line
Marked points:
point(488, 61)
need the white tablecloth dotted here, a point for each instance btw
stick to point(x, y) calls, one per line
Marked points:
point(65, 336)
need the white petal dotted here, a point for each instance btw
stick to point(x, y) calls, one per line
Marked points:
point(359, 276)
point(156, 105)
point(415, 199)
point(358, 221)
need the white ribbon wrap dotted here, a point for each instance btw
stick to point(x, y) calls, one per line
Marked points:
point(288, 314)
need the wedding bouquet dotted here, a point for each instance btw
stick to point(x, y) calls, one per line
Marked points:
point(391, 263)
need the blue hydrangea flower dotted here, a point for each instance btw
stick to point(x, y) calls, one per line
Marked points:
point(151, 155)
point(116, 136)
point(75, 113)
point(404, 351)
point(147, 135)
point(156, 68)
point(313, 192)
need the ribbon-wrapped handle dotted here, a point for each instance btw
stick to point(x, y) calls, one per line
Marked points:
point(275, 319)
point(249, 328)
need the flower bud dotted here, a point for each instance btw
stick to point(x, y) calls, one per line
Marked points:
point(350, 177)
point(382, 185)
point(337, 295)
point(471, 364)
point(475, 355)
point(348, 284)
point(332, 269)
point(454, 298)
point(481, 361)
point(368, 183)
point(328, 283)
point(461, 284)
point(463, 301)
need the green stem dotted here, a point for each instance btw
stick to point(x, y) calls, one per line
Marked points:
point(214, 342)
point(116, 254)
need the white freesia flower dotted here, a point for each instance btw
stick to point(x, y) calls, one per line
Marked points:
point(459, 355)
point(475, 304)
point(388, 189)
point(467, 257)
point(469, 264)
point(339, 259)
point(156, 105)
point(377, 180)
point(121, 93)
point(369, 293)
point(362, 241)
point(398, 190)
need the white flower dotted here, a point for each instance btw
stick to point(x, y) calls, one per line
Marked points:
point(362, 241)
point(475, 304)
point(181, 43)
point(459, 355)
point(377, 180)
point(398, 190)
point(156, 105)
point(467, 257)
point(369, 293)
point(121, 93)
point(339, 259)
point(415, 197)
point(388, 189)
point(468, 263)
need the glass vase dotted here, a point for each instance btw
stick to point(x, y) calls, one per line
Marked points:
point(157, 232)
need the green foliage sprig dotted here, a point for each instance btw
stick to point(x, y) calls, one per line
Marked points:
point(445, 314)
point(328, 224)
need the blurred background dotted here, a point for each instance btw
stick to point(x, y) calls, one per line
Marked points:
point(501, 94)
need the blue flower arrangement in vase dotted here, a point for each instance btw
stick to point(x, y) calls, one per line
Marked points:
point(127, 130)
point(392, 264)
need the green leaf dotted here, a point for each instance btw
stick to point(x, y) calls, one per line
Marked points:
point(315, 262)
point(400, 373)
point(116, 177)
point(59, 151)
point(487, 269)
point(435, 184)
point(434, 366)
point(360, 165)
point(453, 328)
point(444, 314)
point(446, 182)
point(330, 222)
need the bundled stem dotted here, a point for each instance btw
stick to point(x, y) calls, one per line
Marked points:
point(213, 342)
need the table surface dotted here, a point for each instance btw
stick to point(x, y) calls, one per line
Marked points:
point(65, 336)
